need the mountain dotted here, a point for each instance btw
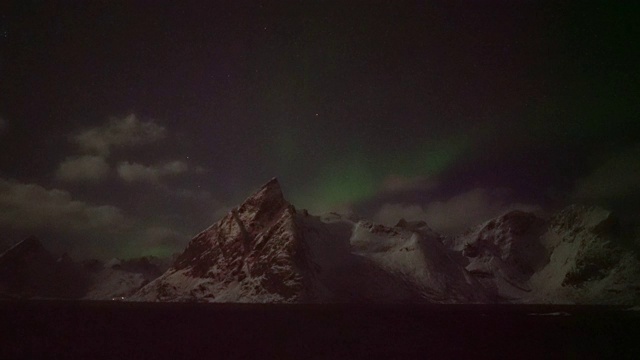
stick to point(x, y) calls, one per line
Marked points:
point(28, 270)
point(586, 262)
point(119, 279)
point(503, 253)
point(575, 258)
point(267, 251)
point(252, 254)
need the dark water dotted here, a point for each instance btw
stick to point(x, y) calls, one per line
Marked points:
point(120, 330)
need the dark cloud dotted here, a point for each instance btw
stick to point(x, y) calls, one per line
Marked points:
point(31, 206)
point(83, 168)
point(134, 172)
point(174, 168)
point(159, 241)
point(66, 224)
point(119, 132)
point(398, 183)
point(615, 179)
point(455, 214)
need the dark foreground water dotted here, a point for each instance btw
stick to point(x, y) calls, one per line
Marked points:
point(120, 330)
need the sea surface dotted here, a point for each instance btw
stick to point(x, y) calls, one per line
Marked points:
point(48, 329)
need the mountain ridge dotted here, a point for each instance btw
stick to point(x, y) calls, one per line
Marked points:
point(265, 250)
point(333, 258)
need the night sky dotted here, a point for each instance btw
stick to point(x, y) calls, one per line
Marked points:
point(126, 128)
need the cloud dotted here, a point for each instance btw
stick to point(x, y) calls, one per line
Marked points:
point(127, 131)
point(201, 170)
point(187, 194)
point(83, 168)
point(175, 167)
point(615, 179)
point(32, 207)
point(134, 172)
point(163, 236)
point(155, 240)
point(390, 214)
point(455, 215)
point(397, 183)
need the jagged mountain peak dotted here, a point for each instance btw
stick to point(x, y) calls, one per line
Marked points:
point(270, 191)
point(272, 185)
point(251, 252)
point(262, 206)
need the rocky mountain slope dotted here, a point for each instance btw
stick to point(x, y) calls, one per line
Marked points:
point(253, 254)
point(267, 251)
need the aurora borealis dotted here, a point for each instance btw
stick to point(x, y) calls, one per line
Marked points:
point(127, 128)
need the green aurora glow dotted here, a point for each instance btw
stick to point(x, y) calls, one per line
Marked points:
point(359, 176)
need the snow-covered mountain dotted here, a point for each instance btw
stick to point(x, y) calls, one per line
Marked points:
point(503, 253)
point(252, 254)
point(267, 251)
point(586, 264)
